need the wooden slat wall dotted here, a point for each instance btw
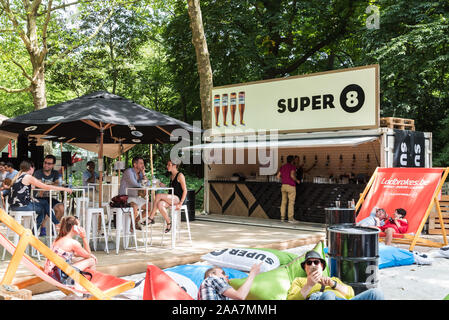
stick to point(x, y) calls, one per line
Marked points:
point(434, 221)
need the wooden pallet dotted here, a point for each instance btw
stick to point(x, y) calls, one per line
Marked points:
point(398, 123)
point(434, 222)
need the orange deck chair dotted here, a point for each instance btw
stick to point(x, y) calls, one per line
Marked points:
point(382, 191)
point(101, 286)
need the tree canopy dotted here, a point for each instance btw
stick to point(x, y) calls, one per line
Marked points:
point(143, 50)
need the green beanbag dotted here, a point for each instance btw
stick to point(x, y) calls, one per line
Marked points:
point(274, 284)
point(446, 298)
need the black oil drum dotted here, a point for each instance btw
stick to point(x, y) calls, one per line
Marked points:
point(339, 215)
point(190, 203)
point(354, 255)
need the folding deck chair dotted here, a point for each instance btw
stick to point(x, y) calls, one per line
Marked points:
point(418, 198)
point(101, 286)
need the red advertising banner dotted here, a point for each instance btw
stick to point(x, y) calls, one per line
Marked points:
point(409, 188)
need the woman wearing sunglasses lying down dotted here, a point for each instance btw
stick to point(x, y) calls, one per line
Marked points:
point(319, 287)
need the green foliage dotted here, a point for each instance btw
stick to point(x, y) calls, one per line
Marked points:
point(411, 47)
point(144, 52)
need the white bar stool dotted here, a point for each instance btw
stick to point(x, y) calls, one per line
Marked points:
point(92, 225)
point(175, 219)
point(81, 204)
point(29, 221)
point(123, 220)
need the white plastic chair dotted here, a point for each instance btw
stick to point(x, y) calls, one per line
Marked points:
point(175, 220)
point(92, 227)
point(29, 221)
point(124, 218)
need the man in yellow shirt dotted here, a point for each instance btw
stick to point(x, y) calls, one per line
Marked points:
point(318, 287)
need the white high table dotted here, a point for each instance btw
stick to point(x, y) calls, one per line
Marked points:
point(173, 221)
point(50, 207)
point(106, 186)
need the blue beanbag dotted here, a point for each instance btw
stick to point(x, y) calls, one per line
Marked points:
point(391, 256)
point(189, 277)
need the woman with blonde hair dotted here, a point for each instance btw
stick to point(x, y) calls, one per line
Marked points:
point(70, 249)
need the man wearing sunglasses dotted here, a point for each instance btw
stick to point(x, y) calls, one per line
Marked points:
point(49, 175)
point(318, 287)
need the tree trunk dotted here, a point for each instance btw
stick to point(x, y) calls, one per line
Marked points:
point(203, 62)
point(38, 89)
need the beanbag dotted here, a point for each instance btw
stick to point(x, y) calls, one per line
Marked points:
point(274, 284)
point(392, 256)
point(446, 297)
point(159, 286)
point(244, 258)
point(189, 277)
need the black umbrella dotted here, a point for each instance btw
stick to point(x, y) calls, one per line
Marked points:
point(99, 117)
point(80, 121)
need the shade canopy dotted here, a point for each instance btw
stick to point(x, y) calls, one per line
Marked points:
point(296, 143)
point(80, 120)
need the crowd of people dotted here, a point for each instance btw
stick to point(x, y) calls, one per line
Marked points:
point(17, 185)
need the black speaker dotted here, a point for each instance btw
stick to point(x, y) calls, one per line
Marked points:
point(5, 155)
point(22, 147)
point(66, 158)
point(37, 156)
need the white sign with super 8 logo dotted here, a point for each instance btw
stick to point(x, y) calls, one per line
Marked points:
point(337, 99)
point(242, 259)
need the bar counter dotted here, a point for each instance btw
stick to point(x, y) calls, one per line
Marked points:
point(263, 199)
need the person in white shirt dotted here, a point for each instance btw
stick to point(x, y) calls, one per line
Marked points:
point(134, 178)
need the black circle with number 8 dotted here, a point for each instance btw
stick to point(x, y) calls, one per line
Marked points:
point(352, 98)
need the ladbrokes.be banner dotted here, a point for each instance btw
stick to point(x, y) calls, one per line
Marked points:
point(409, 188)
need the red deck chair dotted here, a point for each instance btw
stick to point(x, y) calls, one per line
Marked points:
point(414, 189)
point(101, 286)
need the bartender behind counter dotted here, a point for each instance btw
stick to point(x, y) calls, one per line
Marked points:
point(287, 174)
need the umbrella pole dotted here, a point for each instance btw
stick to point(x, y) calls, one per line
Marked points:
point(151, 160)
point(100, 171)
point(62, 167)
point(100, 168)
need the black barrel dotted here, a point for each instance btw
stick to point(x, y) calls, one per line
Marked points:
point(190, 203)
point(354, 255)
point(339, 215)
